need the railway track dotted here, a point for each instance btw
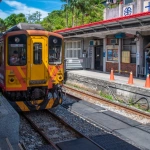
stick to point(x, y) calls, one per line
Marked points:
point(93, 98)
point(57, 133)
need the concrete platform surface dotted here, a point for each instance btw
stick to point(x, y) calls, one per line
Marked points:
point(79, 144)
point(122, 118)
point(106, 76)
point(9, 122)
point(129, 129)
point(6, 145)
point(107, 121)
point(82, 109)
point(136, 135)
point(145, 128)
point(110, 142)
point(96, 107)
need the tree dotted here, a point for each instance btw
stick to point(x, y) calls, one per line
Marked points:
point(14, 19)
point(34, 17)
point(2, 25)
point(20, 18)
point(54, 21)
point(73, 13)
point(10, 20)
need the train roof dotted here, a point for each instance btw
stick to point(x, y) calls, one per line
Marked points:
point(24, 26)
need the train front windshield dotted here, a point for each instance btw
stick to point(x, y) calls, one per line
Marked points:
point(55, 50)
point(17, 50)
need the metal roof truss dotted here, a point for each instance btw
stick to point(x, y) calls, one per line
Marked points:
point(110, 26)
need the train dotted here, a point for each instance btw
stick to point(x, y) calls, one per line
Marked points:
point(31, 67)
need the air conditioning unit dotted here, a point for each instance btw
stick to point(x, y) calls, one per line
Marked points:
point(92, 42)
point(125, 2)
point(113, 41)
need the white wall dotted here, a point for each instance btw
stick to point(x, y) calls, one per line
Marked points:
point(86, 47)
point(110, 13)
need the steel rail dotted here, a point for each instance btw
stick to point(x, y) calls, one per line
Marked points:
point(72, 128)
point(39, 131)
point(104, 101)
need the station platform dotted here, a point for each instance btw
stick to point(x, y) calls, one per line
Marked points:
point(106, 76)
point(9, 126)
point(101, 81)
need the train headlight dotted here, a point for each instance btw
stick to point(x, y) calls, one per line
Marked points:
point(59, 77)
point(11, 80)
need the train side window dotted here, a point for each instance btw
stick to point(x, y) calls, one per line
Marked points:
point(37, 53)
point(1, 48)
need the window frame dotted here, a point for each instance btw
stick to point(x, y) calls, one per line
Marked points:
point(2, 53)
point(72, 49)
point(61, 51)
point(40, 53)
point(128, 45)
point(24, 46)
point(112, 55)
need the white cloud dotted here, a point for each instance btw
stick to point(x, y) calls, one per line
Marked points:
point(18, 7)
point(3, 14)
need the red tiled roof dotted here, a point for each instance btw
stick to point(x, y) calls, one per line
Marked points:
point(105, 22)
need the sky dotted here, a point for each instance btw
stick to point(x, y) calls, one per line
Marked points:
point(26, 7)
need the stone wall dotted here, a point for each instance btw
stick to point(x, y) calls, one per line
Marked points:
point(124, 91)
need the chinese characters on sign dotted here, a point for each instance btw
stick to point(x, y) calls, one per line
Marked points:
point(128, 10)
point(146, 6)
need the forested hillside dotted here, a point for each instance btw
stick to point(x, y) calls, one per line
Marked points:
point(73, 13)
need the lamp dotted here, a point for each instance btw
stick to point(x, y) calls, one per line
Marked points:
point(138, 34)
point(136, 38)
point(108, 2)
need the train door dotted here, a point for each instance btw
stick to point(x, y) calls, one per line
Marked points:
point(38, 59)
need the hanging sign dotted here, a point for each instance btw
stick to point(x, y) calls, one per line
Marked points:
point(128, 10)
point(146, 6)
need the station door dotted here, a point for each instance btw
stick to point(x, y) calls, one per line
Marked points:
point(99, 58)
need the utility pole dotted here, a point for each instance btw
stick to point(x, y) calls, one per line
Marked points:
point(39, 16)
point(28, 16)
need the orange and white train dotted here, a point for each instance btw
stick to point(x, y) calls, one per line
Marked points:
point(31, 67)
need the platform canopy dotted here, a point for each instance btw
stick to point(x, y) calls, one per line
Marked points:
point(127, 24)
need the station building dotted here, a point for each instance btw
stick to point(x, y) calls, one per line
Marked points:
point(121, 41)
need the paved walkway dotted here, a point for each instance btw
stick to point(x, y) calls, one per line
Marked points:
point(129, 130)
point(106, 76)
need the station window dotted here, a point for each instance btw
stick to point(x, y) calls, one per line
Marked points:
point(130, 45)
point(17, 50)
point(112, 55)
point(37, 53)
point(73, 49)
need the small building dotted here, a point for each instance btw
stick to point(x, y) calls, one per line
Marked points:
point(118, 42)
